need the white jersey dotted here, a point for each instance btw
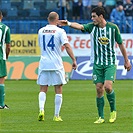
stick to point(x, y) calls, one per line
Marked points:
point(51, 38)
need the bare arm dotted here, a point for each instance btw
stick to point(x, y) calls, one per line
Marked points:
point(70, 53)
point(7, 50)
point(71, 24)
point(127, 64)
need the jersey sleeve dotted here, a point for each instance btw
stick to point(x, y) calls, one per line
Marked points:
point(64, 38)
point(88, 27)
point(118, 37)
point(7, 38)
point(39, 38)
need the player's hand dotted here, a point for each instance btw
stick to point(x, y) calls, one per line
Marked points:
point(127, 65)
point(62, 22)
point(74, 65)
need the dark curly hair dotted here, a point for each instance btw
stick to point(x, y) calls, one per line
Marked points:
point(99, 11)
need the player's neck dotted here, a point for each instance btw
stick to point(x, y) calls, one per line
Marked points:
point(53, 23)
point(102, 24)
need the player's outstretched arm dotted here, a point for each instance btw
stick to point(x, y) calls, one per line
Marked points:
point(71, 24)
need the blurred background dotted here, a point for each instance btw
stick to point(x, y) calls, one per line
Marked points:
point(26, 17)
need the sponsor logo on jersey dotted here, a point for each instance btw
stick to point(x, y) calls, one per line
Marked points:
point(49, 31)
point(103, 40)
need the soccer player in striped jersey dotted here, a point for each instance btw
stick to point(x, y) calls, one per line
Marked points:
point(51, 70)
point(104, 35)
point(4, 52)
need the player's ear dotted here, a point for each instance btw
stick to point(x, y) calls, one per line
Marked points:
point(1, 16)
point(101, 16)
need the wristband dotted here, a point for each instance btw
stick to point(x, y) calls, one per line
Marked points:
point(69, 23)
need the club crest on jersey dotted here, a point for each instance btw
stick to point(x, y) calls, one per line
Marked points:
point(94, 77)
point(103, 40)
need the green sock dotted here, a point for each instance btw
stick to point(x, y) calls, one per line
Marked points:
point(2, 94)
point(100, 106)
point(111, 100)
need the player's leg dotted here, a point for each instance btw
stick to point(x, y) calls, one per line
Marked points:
point(42, 100)
point(42, 96)
point(109, 79)
point(111, 99)
point(2, 93)
point(100, 99)
point(98, 79)
point(110, 95)
point(100, 102)
point(3, 73)
point(58, 102)
point(58, 78)
point(43, 82)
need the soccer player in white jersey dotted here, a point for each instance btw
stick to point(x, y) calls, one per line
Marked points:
point(51, 70)
point(4, 53)
point(104, 35)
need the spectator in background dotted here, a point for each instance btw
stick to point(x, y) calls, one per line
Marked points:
point(117, 16)
point(109, 5)
point(119, 2)
point(86, 9)
point(128, 8)
point(94, 3)
point(100, 4)
point(76, 9)
point(62, 5)
point(69, 9)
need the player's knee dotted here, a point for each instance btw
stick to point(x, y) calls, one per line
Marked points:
point(108, 88)
point(100, 90)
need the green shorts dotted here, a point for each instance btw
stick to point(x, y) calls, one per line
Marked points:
point(103, 72)
point(3, 71)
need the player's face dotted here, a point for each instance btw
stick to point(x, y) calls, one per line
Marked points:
point(95, 18)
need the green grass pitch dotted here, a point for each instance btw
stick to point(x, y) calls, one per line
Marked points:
point(78, 109)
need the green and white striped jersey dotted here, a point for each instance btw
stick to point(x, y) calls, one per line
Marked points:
point(4, 39)
point(103, 42)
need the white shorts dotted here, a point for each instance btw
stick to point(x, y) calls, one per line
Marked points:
point(56, 77)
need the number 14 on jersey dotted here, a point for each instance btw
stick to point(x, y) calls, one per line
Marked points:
point(49, 44)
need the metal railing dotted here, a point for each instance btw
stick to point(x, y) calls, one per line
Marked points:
point(32, 27)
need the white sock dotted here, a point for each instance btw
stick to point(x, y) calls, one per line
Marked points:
point(42, 99)
point(58, 103)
